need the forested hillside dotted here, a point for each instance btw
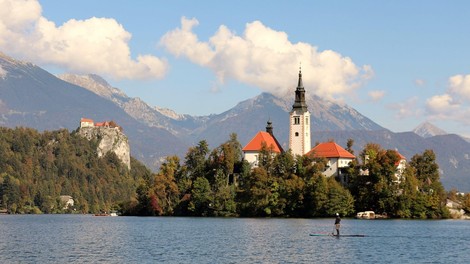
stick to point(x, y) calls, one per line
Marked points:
point(37, 168)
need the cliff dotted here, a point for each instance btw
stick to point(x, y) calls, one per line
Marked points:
point(110, 139)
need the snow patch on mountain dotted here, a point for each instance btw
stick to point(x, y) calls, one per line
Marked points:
point(427, 130)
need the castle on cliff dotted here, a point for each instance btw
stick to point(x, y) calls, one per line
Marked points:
point(111, 138)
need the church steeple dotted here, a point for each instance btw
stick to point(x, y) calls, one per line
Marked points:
point(299, 128)
point(269, 128)
point(299, 103)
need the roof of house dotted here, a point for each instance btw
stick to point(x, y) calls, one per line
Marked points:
point(330, 150)
point(400, 156)
point(86, 120)
point(99, 124)
point(256, 142)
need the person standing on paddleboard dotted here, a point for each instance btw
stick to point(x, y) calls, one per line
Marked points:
point(337, 223)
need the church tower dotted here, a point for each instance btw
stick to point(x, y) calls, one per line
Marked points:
point(299, 124)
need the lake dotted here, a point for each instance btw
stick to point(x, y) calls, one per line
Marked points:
point(92, 239)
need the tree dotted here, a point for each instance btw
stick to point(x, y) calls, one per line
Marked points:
point(316, 196)
point(10, 193)
point(254, 195)
point(349, 145)
point(339, 200)
point(427, 173)
point(201, 198)
point(377, 189)
point(166, 189)
point(427, 170)
point(224, 197)
point(195, 161)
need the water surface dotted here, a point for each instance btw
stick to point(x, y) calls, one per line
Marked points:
point(91, 239)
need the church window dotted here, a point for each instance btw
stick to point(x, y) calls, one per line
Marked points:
point(306, 121)
point(296, 134)
point(296, 120)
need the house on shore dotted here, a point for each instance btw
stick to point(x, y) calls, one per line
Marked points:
point(338, 159)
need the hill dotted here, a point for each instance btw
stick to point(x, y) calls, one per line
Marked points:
point(37, 168)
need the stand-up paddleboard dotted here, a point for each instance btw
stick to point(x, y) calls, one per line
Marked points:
point(321, 235)
point(336, 235)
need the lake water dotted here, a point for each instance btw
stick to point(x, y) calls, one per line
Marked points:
point(92, 239)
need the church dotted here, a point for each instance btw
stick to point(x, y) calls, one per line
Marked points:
point(299, 139)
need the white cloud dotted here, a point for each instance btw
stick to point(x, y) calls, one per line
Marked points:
point(454, 105)
point(376, 95)
point(95, 45)
point(441, 105)
point(267, 59)
point(459, 85)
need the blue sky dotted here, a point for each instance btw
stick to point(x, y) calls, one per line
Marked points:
point(399, 63)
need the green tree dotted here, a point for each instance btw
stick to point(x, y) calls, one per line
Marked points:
point(195, 161)
point(10, 193)
point(316, 196)
point(339, 200)
point(254, 194)
point(201, 198)
point(427, 173)
point(349, 145)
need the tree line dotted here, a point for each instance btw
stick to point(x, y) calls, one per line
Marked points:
point(221, 183)
point(36, 168)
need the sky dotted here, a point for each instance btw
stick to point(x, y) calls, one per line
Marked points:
point(400, 63)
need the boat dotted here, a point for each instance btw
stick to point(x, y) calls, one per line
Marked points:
point(365, 215)
point(107, 214)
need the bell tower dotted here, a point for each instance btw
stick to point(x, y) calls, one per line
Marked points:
point(299, 124)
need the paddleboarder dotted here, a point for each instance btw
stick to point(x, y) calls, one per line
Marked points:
point(337, 223)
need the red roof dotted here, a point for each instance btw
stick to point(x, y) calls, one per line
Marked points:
point(100, 124)
point(255, 143)
point(86, 120)
point(330, 150)
point(400, 156)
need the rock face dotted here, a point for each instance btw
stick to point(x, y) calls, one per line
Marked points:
point(110, 139)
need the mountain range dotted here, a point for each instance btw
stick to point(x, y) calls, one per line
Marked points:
point(33, 97)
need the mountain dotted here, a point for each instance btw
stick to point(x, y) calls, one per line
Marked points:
point(329, 121)
point(245, 119)
point(177, 124)
point(427, 130)
point(250, 116)
point(32, 97)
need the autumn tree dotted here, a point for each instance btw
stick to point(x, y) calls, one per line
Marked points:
point(166, 189)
